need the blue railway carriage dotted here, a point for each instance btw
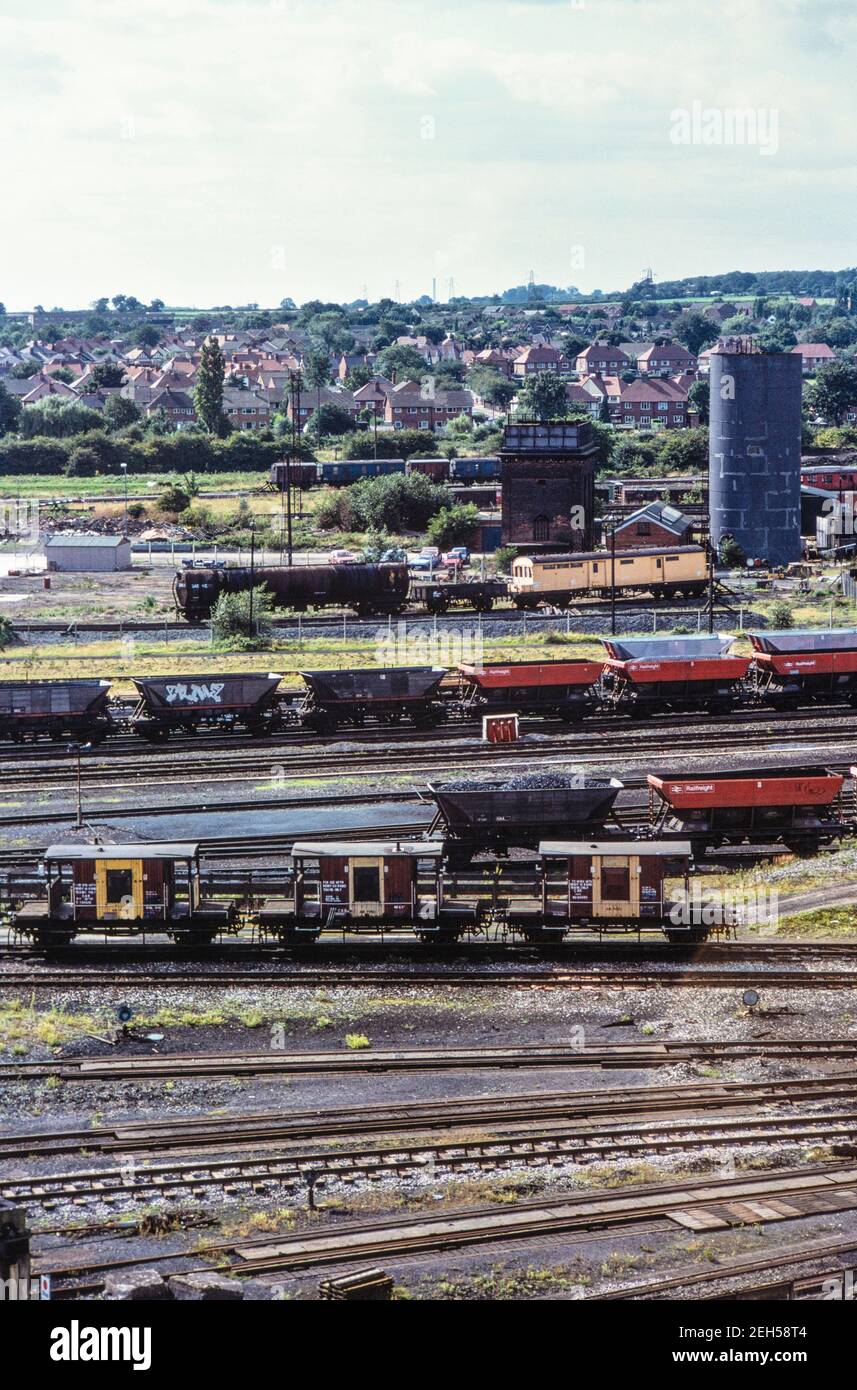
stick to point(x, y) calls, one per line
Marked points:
point(359, 886)
point(474, 470)
point(346, 471)
point(121, 890)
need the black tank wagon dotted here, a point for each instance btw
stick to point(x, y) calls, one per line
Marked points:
point(381, 588)
point(186, 704)
point(54, 709)
point(351, 697)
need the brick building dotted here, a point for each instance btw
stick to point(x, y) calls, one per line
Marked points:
point(658, 523)
point(548, 485)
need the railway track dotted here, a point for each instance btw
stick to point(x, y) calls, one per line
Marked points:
point(526, 1109)
point(574, 949)
point(287, 1174)
point(310, 978)
point(133, 757)
point(636, 1055)
point(756, 1197)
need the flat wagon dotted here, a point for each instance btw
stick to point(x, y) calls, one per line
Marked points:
point(438, 595)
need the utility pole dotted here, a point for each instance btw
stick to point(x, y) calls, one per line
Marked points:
point(124, 468)
point(252, 569)
point(78, 749)
point(613, 573)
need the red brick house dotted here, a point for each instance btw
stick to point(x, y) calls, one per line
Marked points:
point(813, 356)
point(537, 359)
point(245, 410)
point(648, 403)
point(410, 407)
point(667, 360)
point(602, 358)
point(311, 397)
point(178, 405)
point(658, 523)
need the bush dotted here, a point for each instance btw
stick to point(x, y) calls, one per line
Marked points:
point(504, 557)
point(82, 463)
point(397, 502)
point(731, 554)
point(781, 615)
point(58, 417)
point(453, 525)
point(245, 619)
point(174, 499)
point(394, 444)
point(40, 455)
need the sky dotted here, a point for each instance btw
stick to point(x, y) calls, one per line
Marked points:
point(236, 151)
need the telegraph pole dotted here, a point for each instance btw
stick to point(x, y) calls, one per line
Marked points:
point(613, 573)
point(252, 568)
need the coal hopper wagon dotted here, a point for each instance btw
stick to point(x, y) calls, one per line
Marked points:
point(367, 589)
point(564, 690)
point(58, 710)
point(336, 698)
point(497, 815)
point(652, 675)
point(187, 704)
point(797, 668)
point(799, 808)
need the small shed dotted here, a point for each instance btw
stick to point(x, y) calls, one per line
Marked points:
point(81, 553)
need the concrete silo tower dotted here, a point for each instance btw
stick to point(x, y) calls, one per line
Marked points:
point(754, 450)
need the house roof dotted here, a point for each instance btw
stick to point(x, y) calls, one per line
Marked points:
point(140, 850)
point(663, 514)
point(73, 540)
point(814, 350)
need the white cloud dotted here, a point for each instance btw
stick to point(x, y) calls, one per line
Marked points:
point(165, 149)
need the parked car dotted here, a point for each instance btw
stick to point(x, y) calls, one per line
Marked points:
point(394, 554)
point(458, 555)
point(343, 557)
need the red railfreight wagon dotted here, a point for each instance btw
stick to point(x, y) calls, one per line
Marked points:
point(668, 674)
point(797, 807)
point(791, 668)
point(557, 689)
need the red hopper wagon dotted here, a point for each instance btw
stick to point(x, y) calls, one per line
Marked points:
point(670, 674)
point(793, 667)
point(555, 689)
point(799, 808)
